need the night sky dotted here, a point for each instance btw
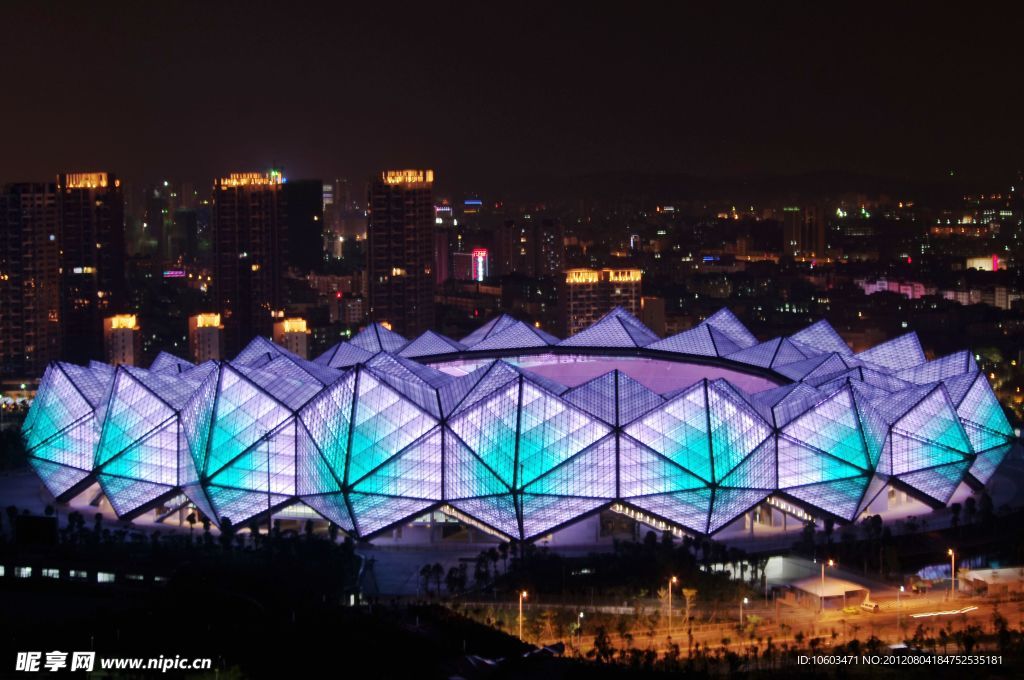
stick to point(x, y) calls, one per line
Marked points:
point(193, 90)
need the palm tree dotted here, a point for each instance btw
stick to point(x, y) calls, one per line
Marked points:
point(191, 519)
point(451, 581)
point(437, 572)
point(503, 550)
point(481, 572)
point(492, 555)
point(425, 578)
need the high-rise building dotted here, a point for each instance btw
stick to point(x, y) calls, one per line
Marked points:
point(205, 337)
point(183, 241)
point(471, 266)
point(400, 250)
point(305, 215)
point(344, 209)
point(293, 335)
point(92, 259)
point(122, 340)
point(250, 250)
point(803, 232)
point(585, 295)
point(530, 245)
point(29, 279)
point(652, 313)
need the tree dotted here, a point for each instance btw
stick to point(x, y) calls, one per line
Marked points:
point(985, 509)
point(227, 532)
point(481, 570)
point(970, 510)
point(807, 538)
point(191, 519)
point(689, 597)
point(603, 650)
point(425, 578)
point(830, 527)
point(492, 555)
point(437, 573)
point(451, 581)
point(622, 628)
point(954, 510)
point(254, 533)
point(503, 551)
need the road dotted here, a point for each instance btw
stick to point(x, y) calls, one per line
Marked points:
point(892, 623)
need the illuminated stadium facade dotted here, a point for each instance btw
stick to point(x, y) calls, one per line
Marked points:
point(517, 432)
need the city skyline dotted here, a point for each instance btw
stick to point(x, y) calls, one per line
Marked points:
point(540, 340)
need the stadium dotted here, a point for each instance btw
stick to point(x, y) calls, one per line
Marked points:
point(519, 434)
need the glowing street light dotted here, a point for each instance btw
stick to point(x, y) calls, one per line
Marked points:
point(743, 602)
point(670, 582)
point(579, 629)
point(899, 610)
point(522, 596)
point(952, 573)
point(821, 591)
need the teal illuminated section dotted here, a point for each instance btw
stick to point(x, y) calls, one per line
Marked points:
point(61, 429)
point(385, 423)
point(736, 428)
point(679, 431)
point(490, 429)
point(391, 438)
point(983, 417)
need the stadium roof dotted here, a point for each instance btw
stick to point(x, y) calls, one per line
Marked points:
point(379, 430)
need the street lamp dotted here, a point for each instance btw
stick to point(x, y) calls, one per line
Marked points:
point(522, 596)
point(899, 611)
point(579, 629)
point(670, 582)
point(743, 602)
point(952, 573)
point(821, 591)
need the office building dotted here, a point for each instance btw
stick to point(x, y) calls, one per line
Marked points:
point(400, 250)
point(803, 233)
point(122, 340)
point(205, 338)
point(530, 245)
point(92, 260)
point(652, 313)
point(293, 335)
point(471, 266)
point(585, 295)
point(29, 279)
point(305, 216)
point(250, 251)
